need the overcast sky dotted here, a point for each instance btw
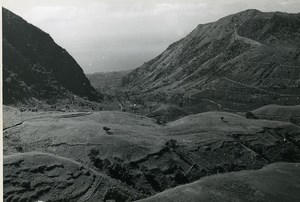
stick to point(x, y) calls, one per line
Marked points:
point(110, 35)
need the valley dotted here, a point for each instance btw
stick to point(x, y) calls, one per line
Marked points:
point(215, 117)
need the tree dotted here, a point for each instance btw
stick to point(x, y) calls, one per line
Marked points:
point(107, 129)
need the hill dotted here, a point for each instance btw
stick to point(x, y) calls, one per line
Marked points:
point(167, 113)
point(107, 80)
point(146, 157)
point(35, 67)
point(237, 58)
point(275, 182)
point(277, 112)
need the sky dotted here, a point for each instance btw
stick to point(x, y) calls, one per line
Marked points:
point(113, 35)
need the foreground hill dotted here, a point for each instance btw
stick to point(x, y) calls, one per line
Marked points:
point(234, 58)
point(35, 67)
point(276, 182)
point(144, 157)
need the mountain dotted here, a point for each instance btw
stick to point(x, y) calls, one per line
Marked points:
point(248, 50)
point(35, 67)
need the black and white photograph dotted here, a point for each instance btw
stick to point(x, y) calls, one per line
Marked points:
point(150, 101)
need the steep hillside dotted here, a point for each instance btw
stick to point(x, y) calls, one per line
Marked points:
point(34, 66)
point(247, 52)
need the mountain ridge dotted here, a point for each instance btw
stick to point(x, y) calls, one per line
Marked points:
point(260, 49)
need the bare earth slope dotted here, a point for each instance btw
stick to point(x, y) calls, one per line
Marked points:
point(146, 158)
point(276, 182)
point(248, 50)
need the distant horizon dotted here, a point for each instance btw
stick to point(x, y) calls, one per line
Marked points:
point(115, 35)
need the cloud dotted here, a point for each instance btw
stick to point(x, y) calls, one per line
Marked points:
point(45, 14)
point(285, 3)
